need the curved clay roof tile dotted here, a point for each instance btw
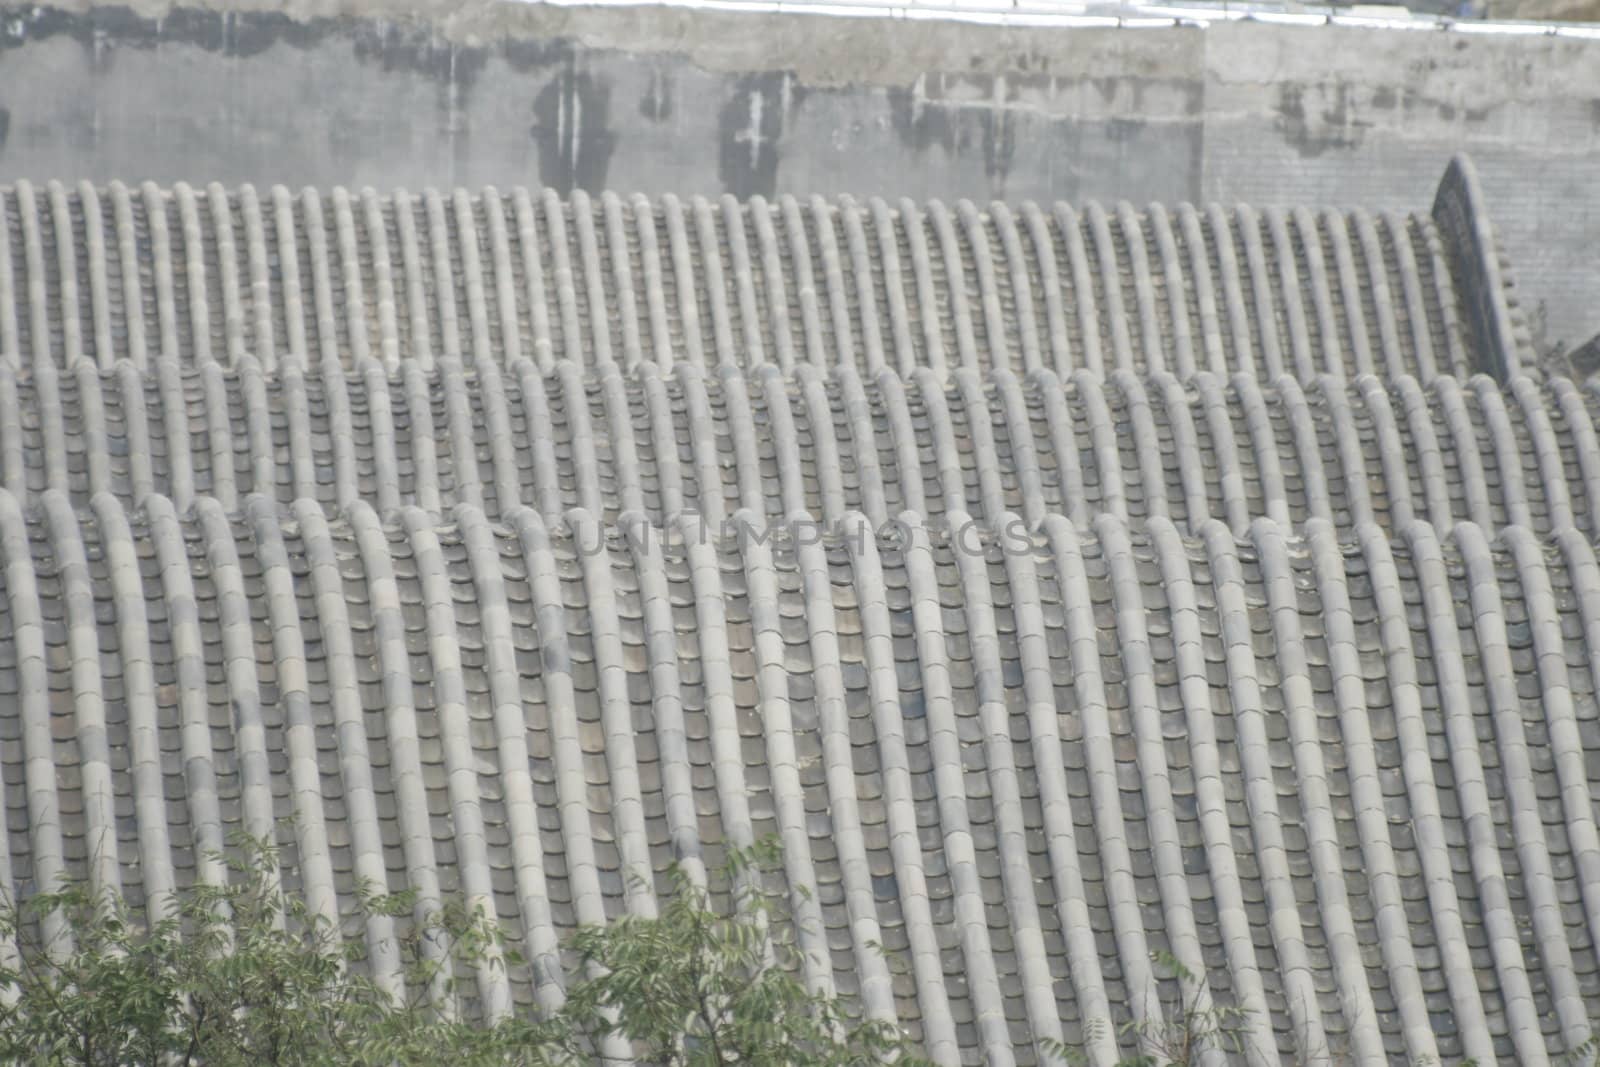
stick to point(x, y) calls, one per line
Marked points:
point(455, 274)
point(941, 726)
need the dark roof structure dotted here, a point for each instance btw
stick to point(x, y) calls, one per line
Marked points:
point(1307, 768)
point(659, 444)
point(1059, 587)
point(211, 276)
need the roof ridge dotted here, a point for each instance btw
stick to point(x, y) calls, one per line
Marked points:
point(641, 441)
point(452, 274)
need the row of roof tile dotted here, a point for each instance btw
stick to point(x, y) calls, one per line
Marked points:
point(104, 275)
point(644, 444)
point(1347, 784)
point(1136, 617)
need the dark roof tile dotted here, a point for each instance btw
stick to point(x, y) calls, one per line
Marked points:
point(207, 277)
point(1296, 834)
point(1348, 454)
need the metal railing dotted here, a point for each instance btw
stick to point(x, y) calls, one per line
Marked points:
point(1076, 14)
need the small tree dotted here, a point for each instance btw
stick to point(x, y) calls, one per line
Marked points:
point(695, 987)
point(240, 974)
point(113, 998)
point(1185, 1033)
point(243, 974)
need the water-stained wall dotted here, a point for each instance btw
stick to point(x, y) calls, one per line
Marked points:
point(670, 100)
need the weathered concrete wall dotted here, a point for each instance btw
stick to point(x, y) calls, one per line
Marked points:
point(1363, 117)
point(662, 100)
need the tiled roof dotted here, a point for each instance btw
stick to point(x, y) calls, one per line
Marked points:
point(1311, 771)
point(403, 529)
point(208, 276)
point(656, 445)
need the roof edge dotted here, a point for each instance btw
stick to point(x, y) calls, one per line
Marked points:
point(1474, 259)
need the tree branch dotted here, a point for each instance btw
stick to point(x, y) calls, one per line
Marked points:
point(700, 993)
point(194, 1035)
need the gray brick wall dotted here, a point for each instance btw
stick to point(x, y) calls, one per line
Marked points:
point(663, 100)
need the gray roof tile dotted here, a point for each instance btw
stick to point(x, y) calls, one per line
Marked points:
point(1349, 880)
point(657, 446)
point(312, 514)
point(212, 276)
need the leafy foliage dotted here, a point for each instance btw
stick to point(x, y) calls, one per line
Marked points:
point(239, 974)
point(244, 973)
point(695, 988)
point(1188, 1030)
